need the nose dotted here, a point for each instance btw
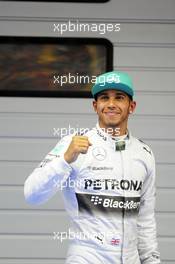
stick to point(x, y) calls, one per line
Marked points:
point(111, 102)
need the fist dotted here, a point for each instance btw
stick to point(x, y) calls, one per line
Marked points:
point(79, 144)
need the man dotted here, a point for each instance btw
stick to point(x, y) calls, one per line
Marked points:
point(112, 199)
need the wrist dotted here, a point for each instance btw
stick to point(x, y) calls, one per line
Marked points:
point(66, 158)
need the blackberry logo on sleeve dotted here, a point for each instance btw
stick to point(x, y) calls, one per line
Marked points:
point(104, 204)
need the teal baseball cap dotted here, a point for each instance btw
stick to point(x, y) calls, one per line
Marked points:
point(114, 80)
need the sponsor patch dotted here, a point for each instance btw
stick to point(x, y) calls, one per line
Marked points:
point(112, 184)
point(99, 153)
point(115, 241)
point(105, 204)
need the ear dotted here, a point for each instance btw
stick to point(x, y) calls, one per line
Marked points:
point(94, 105)
point(132, 107)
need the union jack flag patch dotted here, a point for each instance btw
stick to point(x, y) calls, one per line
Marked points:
point(115, 241)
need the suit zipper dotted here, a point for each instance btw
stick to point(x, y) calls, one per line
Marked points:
point(123, 211)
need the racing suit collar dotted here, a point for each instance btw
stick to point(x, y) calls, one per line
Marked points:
point(111, 139)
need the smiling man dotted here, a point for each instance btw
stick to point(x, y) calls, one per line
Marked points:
point(107, 178)
point(112, 115)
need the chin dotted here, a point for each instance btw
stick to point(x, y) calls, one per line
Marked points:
point(112, 124)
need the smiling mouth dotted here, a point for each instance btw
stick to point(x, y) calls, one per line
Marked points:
point(111, 113)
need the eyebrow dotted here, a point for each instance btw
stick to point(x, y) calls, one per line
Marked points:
point(117, 93)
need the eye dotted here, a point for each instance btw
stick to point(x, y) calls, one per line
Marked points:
point(103, 97)
point(120, 97)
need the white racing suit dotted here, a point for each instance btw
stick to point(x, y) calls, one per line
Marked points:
point(109, 194)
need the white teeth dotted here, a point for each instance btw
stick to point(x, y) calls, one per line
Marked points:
point(112, 113)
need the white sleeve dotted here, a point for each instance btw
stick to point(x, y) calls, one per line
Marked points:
point(147, 238)
point(51, 173)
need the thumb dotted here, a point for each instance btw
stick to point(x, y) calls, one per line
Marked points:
point(90, 144)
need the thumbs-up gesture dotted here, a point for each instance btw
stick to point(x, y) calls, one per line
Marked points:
point(79, 144)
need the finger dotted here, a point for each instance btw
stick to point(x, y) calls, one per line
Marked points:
point(83, 150)
point(79, 140)
point(83, 144)
point(82, 138)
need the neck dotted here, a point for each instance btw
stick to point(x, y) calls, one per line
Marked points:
point(114, 130)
